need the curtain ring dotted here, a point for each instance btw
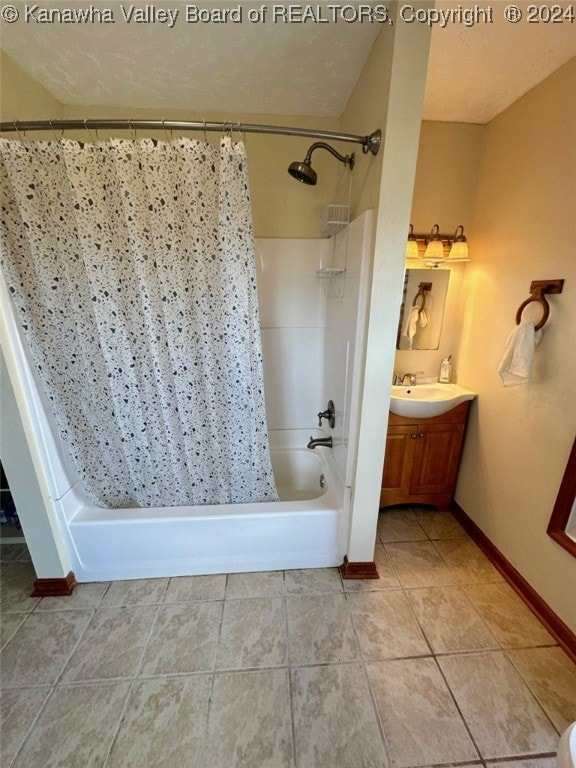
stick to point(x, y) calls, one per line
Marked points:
point(21, 136)
point(53, 131)
point(132, 130)
point(90, 132)
point(168, 138)
point(205, 134)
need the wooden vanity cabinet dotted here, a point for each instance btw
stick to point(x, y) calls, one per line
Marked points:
point(422, 458)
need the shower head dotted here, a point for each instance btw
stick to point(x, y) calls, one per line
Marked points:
point(303, 171)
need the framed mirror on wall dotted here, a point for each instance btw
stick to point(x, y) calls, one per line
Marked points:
point(562, 526)
point(422, 310)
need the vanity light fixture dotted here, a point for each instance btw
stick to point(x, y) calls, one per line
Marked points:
point(435, 249)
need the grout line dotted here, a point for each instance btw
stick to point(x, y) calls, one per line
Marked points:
point(33, 724)
point(375, 709)
point(534, 695)
point(132, 683)
point(52, 685)
point(463, 719)
point(289, 676)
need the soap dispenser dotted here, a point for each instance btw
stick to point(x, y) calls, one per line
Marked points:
point(445, 370)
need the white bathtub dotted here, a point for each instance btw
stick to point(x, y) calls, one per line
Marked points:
point(302, 530)
point(305, 529)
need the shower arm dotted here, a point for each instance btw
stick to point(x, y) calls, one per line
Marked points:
point(346, 159)
point(370, 143)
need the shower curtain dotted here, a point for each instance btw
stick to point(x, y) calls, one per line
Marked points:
point(131, 269)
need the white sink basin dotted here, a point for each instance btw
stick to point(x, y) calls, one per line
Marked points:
point(426, 400)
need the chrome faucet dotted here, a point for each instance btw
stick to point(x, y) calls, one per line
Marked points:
point(325, 441)
point(409, 380)
point(396, 380)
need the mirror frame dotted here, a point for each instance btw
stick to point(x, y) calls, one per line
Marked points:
point(428, 274)
point(557, 527)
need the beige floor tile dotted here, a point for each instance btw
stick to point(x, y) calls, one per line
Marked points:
point(420, 721)
point(41, 647)
point(11, 552)
point(134, 592)
point(253, 634)
point(439, 525)
point(385, 625)
point(504, 718)
point(184, 639)
point(399, 525)
point(387, 577)
point(249, 721)
point(334, 719)
point(18, 710)
point(320, 629)
point(112, 644)
point(551, 677)
point(17, 582)
point(511, 622)
point(313, 581)
point(260, 584)
point(449, 620)
point(164, 724)
point(536, 762)
point(418, 564)
point(75, 729)
point(9, 623)
point(192, 588)
point(84, 596)
point(466, 562)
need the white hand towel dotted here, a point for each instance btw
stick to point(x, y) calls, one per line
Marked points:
point(516, 365)
point(416, 317)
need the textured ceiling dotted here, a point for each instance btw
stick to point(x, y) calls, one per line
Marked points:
point(272, 67)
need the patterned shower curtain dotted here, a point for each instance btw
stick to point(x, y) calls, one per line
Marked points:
point(132, 273)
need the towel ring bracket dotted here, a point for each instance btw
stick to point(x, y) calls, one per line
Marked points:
point(538, 289)
point(422, 288)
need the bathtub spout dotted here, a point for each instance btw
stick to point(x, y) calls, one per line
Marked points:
point(326, 441)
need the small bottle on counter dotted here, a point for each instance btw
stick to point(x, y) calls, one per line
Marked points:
point(445, 376)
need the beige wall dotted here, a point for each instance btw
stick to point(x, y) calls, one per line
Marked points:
point(22, 97)
point(447, 173)
point(519, 438)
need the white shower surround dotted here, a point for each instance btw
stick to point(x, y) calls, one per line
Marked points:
point(306, 533)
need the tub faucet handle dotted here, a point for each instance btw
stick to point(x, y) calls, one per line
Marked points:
point(329, 414)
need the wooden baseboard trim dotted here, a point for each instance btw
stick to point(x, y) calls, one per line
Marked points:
point(564, 636)
point(54, 587)
point(366, 570)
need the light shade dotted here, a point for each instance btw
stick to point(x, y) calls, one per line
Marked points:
point(434, 254)
point(412, 245)
point(459, 248)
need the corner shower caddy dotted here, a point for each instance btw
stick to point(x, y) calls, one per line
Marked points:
point(334, 220)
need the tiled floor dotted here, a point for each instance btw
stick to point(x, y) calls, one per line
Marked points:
point(436, 663)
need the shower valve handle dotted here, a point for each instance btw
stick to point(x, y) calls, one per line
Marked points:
point(329, 414)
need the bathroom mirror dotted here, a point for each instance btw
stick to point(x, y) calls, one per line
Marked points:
point(422, 310)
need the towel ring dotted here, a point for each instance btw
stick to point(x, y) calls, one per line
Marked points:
point(545, 314)
point(420, 295)
point(422, 288)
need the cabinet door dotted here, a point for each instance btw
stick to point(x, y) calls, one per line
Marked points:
point(436, 458)
point(400, 444)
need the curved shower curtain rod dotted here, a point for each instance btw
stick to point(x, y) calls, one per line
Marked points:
point(370, 143)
